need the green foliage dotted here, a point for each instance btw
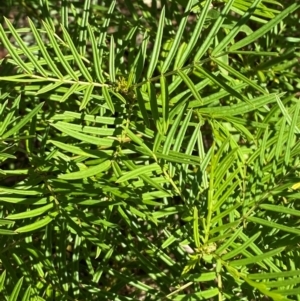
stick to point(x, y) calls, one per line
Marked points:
point(150, 153)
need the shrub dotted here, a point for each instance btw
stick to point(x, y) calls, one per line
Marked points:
point(150, 152)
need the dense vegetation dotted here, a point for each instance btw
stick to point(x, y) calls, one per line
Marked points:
point(149, 151)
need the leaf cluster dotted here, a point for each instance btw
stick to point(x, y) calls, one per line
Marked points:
point(150, 152)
